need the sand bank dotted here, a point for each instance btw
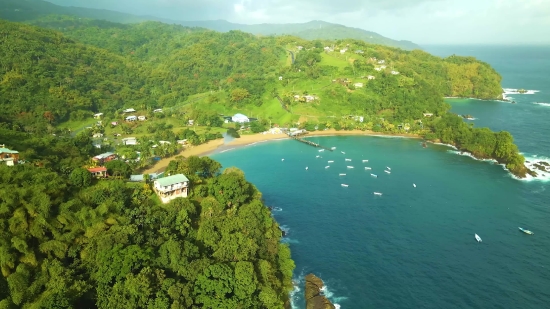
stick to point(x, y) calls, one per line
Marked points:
point(212, 146)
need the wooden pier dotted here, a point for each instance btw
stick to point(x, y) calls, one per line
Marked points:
point(309, 142)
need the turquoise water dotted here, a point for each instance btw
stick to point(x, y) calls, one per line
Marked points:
point(414, 247)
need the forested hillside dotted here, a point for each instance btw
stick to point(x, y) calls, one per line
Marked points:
point(69, 242)
point(48, 78)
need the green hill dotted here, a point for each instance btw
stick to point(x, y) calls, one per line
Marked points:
point(155, 65)
point(28, 10)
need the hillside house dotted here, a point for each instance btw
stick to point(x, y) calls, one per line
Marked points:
point(358, 85)
point(191, 122)
point(142, 118)
point(370, 77)
point(7, 156)
point(240, 118)
point(280, 78)
point(381, 61)
point(129, 141)
point(310, 98)
point(97, 135)
point(158, 110)
point(98, 172)
point(382, 67)
point(171, 187)
point(129, 110)
point(105, 157)
point(343, 50)
point(394, 72)
point(428, 114)
point(299, 47)
point(378, 69)
point(98, 115)
point(182, 141)
point(131, 118)
point(114, 123)
point(328, 49)
point(359, 51)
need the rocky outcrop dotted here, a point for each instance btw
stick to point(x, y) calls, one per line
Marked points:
point(314, 296)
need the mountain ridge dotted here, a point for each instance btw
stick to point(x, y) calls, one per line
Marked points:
point(27, 10)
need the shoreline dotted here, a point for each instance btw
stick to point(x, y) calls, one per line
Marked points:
point(219, 145)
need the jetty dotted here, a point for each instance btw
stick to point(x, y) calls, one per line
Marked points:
point(296, 136)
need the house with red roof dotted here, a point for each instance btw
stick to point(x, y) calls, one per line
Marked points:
point(98, 172)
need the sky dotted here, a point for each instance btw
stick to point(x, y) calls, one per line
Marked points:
point(420, 21)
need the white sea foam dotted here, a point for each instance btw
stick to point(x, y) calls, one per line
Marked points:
point(277, 209)
point(542, 104)
point(530, 162)
point(327, 292)
point(516, 91)
point(285, 229)
point(467, 154)
point(226, 150)
point(296, 291)
point(448, 145)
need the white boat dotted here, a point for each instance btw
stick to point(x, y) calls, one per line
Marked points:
point(330, 161)
point(317, 156)
point(374, 175)
point(333, 148)
point(282, 159)
point(327, 166)
point(478, 238)
point(377, 193)
point(342, 152)
point(389, 169)
point(321, 150)
point(344, 185)
point(414, 185)
point(307, 168)
point(365, 161)
point(349, 166)
point(368, 168)
point(348, 159)
point(526, 231)
point(342, 174)
point(387, 172)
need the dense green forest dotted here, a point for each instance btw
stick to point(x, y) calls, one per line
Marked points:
point(70, 242)
point(99, 66)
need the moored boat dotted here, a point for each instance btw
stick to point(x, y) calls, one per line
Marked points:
point(477, 238)
point(349, 166)
point(526, 231)
point(388, 172)
point(377, 193)
point(330, 161)
point(342, 174)
point(342, 152)
point(348, 159)
point(327, 166)
point(344, 185)
point(374, 175)
point(365, 161)
point(368, 168)
point(321, 150)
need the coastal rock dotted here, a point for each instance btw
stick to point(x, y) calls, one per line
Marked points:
point(313, 294)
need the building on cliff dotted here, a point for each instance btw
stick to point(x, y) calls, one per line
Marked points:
point(171, 187)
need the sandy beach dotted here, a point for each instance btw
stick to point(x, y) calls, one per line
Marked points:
point(212, 146)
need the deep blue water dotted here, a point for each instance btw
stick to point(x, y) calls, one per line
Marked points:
point(415, 247)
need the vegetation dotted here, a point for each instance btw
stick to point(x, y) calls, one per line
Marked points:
point(70, 243)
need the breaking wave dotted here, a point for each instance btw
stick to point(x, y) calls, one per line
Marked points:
point(542, 104)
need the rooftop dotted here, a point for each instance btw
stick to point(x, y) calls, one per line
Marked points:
point(104, 155)
point(170, 180)
point(6, 150)
point(97, 169)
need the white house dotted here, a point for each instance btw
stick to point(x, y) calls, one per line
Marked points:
point(378, 69)
point(300, 47)
point(131, 118)
point(358, 85)
point(164, 142)
point(158, 110)
point(343, 51)
point(382, 66)
point(280, 78)
point(129, 141)
point(141, 118)
point(98, 115)
point(171, 187)
point(381, 61)
point(240, 118)
point(191, 122)
point(129, 110)
point(394, 72)
point(428, 114)
point(97, 135)
point(370, 77)
point(310, 98)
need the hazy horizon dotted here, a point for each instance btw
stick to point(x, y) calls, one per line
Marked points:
point(425, 22)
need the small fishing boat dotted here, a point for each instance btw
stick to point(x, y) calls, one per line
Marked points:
point(321, 150)
point(349, 166)
point(368, 168)
point(330, 161)
point(374, 175)
point(317, 156)
point(342, 174)
point(365, 161)
point(342, 152)
point(344, 185)
point(387, 172)
point(348, 159)
point(333, 148)
point(377, 193)
point(327, 166)
point(414, 185)
point(477, 238)
point(389, 169)
point(307, 168)
point(526, 231)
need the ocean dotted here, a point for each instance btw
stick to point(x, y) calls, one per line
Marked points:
point(413, 246)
